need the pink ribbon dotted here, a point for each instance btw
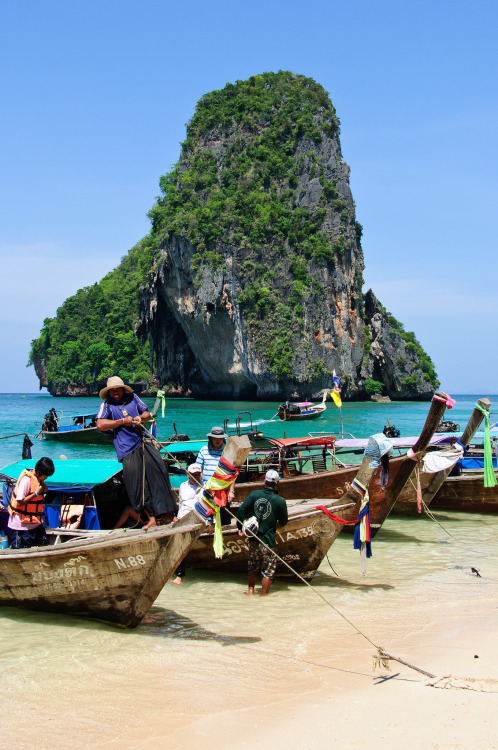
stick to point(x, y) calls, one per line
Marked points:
point(450, 402)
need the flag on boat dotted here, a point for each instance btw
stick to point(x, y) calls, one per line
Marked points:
point(336, 392)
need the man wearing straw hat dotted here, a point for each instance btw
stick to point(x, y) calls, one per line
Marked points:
point(122, 414)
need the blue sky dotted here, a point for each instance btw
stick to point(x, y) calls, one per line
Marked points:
point(96, 96)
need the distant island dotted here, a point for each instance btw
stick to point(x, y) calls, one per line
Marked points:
point(249, 284)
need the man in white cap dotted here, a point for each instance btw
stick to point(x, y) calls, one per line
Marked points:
point(189, 493)
point(268, 509)
point(122, 413)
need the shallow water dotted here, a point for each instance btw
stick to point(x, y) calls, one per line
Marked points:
point(206, 644)
point(207, 639)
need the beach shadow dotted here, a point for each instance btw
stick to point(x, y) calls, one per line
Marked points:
point(399, 537)
point(327, 581)
point(169, 624)
point(38, 617)
point(157, 622)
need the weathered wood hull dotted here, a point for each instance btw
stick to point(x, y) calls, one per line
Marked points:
point(113, 576)
point(406, 504)
point(467, 493)
point(332, 485)
point(302, 543)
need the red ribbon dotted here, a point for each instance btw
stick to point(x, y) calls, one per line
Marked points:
point(335, 518)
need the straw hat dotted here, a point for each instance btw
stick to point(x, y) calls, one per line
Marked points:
point(114, 383)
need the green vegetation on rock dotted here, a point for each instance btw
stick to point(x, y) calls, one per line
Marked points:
point(249, 148)
point(373, 386)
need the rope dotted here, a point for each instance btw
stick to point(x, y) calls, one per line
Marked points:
point(382, 657)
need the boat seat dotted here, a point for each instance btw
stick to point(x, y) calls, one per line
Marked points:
point(290, 470)
point(71, 515)
point(319, 464)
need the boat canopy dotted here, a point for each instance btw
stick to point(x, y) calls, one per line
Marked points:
point(77, 475)
point(401, 442)
point(302, 404)
point(322, 441)
point(187, 446)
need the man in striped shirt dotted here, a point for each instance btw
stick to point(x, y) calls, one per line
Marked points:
point(208, 459)
point(210, 454)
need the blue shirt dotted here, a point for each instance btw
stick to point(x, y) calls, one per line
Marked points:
point(125, 439)
point(208, 459)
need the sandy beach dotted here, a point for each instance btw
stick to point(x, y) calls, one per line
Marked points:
point(211, 667)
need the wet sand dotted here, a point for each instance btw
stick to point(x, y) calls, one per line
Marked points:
point(210, 666)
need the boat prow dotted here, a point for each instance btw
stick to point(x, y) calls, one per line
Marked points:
point(109, 575)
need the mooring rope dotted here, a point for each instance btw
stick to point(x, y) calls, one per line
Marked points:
point(382, 657)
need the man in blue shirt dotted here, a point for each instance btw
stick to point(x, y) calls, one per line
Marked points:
point(122, 414)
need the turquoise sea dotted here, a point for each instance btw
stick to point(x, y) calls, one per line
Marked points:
point(24, 412)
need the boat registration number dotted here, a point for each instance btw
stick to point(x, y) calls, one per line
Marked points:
point(133, 561)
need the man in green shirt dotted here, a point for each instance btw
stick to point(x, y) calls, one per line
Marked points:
point(268, 509)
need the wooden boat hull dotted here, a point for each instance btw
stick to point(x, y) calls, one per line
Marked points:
point(406, 504)
point(88, 436)
point(307, 537)
point(332, 485)
point(467, 493)
point(303, 542)
point(301, 417)
point(113, 576)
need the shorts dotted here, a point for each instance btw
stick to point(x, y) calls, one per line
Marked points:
point(261, 558)
point(28, 538)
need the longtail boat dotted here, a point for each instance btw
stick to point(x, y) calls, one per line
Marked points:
point(467, 493)
point(433, 486)
point(302, 543)
point(80, 428)
point(305, 540)
point(301, 410)
point(109, 575)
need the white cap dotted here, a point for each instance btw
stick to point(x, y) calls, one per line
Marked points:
point(272, 476)
point(194, 469)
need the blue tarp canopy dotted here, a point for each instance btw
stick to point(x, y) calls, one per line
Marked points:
point(77, 475)
point(189, 446)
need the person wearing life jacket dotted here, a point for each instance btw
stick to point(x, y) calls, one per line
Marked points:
point(26, 503)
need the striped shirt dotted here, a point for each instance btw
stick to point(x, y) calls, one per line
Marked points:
point(208, 459)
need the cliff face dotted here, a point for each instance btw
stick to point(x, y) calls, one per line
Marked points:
point(253, 288)
point(269, 306)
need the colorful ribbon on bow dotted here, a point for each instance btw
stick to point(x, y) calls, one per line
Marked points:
point(489, 474)
point(214, 496)
point(162, 396)
point(362, 535)
point(441, 396)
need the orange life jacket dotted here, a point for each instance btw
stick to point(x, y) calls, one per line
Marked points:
point(32, 511)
